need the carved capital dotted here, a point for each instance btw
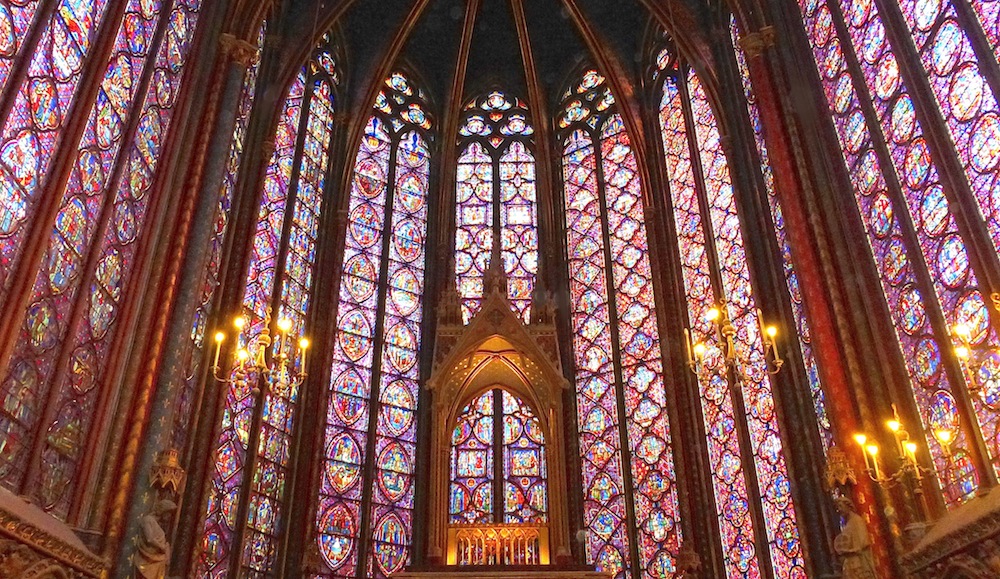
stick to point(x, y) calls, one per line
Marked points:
point(755, 43)
point(239, 50)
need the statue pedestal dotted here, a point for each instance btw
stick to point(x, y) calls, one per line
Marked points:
point(35, 544)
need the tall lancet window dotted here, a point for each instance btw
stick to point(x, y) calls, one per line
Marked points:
point(370, 441)
point(249, 485)
point(757, 519)
point(91, 221)
point(496, 204)
point(912, 92)
point(630, 493)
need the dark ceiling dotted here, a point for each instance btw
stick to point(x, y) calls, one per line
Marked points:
point(424, 37)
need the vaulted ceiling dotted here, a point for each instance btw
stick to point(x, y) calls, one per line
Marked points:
point(529, 48)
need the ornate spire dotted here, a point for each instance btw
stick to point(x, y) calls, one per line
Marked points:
point(450, 307)
point(495, 279)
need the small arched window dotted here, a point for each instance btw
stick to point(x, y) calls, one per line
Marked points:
point(498, 467)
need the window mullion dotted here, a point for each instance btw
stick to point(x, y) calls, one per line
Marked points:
point(499, 504)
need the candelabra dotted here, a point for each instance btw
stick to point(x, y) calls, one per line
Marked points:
point(982, 373)
point(908, 472)
point(271, 371)
point(725, 333)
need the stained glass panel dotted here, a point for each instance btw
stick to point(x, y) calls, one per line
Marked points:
point(473, 225)
point(374, 387)
point(519, 225)
point(229, 474)
point(525, 469)
point(964, 97)
point(472, 456)
point(597, 399)
point(729, 477)
point(267, 489)
point(33, 129)
point(16, 17)
point(906, 299)
point(777, 506)
point(396, 426)
point(496, 202)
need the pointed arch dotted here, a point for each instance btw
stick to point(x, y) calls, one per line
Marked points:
point(371, 421)
point(630, 494)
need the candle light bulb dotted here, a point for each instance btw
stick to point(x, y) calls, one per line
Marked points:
point(772, 331)
point(713, 314)
point(944, 436)
point(861, 439)
point(962, 330)
point(219, 337)
point(872, 450)
point(284, 324)
point(699, 350)
point(304, 344)
point(239, 322)
point(911, 447)
point(962, 352)
point(893, 425)
point(242, 355)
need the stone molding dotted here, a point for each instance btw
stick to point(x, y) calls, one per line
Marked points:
point(28, 551)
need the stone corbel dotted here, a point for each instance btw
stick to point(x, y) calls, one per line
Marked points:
point(239, 50)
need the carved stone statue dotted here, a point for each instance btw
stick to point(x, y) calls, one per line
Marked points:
point(853, 544)
point(152, 555)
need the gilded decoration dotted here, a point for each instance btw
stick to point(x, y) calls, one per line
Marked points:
point(27, 550)
point(496, 349)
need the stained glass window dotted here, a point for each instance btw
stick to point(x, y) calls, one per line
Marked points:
point(373, 392)
point(279, 282)
point(32, 130)
point(751, 483)
point(498, 468)
point(16, 17)
point(630, 494)
point(496, 204)
point(194, 355)
point(908, 207)
point(68, 329)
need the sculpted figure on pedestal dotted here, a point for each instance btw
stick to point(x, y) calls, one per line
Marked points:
point(152, 555)
point(853, 544)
